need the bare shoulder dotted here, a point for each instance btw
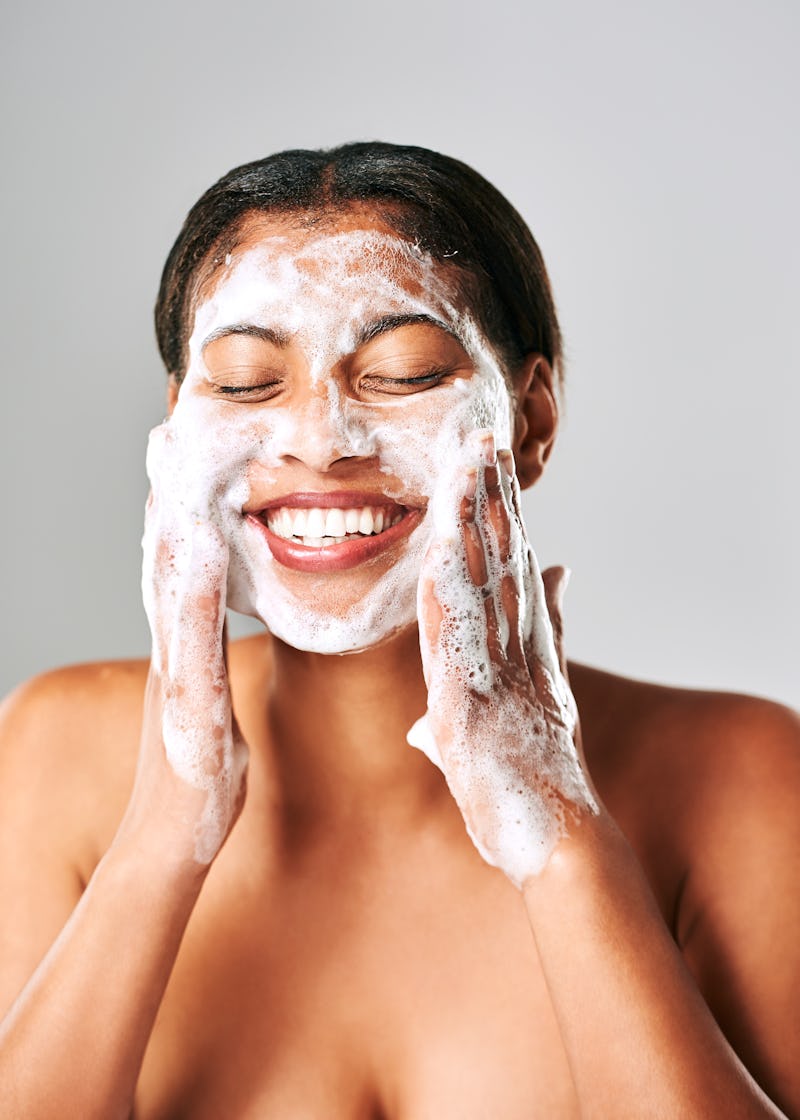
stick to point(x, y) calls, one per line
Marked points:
point(707, 787)
point(71, 709)
point(68, 744)
point(692, 755)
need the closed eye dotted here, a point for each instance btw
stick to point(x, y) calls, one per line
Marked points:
point(261, 392)
point(403, 385)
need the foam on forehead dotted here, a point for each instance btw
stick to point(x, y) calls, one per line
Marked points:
point(324, 295)
point(325, 292)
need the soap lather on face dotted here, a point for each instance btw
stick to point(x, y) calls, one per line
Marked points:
point(326, 298)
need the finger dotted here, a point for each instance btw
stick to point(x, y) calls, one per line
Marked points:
point(496, 631)
point(506, 459)
point(506, 624)
point(498, 508)
point(555, 581)
point(429, 608)
point(473, 544)
point(509, 594)
point(538, 633)
point(498, 513)
point(515, 586)
point(551, 698)
point(546, 655)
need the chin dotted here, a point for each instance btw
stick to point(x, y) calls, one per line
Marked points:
point(370, 623)
point(336, 615)
point(386, 639)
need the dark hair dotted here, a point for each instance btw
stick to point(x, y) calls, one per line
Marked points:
point(444, 206)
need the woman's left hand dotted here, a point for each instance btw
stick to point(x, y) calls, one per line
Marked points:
point(501, 719)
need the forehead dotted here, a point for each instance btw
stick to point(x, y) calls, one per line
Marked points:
point(355, 255)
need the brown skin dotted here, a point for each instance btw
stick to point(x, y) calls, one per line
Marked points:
point(348, 953)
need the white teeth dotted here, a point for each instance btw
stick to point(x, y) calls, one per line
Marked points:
point(317, 527)
point(315, 523)
point(335, 525)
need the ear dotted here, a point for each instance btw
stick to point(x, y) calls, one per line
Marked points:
point(172, 393)
point(536, 421)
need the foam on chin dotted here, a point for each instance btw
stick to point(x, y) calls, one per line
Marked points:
point(324, 296)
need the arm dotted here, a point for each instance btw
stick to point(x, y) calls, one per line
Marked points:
point(640, 1039)
point(639, 1036)
point(74, 1040)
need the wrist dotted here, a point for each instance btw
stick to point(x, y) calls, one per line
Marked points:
point(162, 868)
point(588, 853)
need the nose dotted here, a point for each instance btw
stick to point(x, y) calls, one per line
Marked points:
point(324, 428)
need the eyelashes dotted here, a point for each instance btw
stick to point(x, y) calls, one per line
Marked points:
point(369, 386)
point(260, 392)
point(404, 385)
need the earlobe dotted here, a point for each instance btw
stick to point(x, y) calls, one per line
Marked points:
point(536, 420)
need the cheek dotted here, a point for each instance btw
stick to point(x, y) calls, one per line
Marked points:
point(429, 435)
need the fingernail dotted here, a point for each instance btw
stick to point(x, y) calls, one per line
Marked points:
point(488, 450)
point(471, 483)
point(563, 584)
point(506, 458)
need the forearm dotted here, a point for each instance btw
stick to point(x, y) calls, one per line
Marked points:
point(74, 1041)
point(639, 1037)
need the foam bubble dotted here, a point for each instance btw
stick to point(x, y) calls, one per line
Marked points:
point(503, 750)
point(502, 732)
point(325, 295)
point(183, 581)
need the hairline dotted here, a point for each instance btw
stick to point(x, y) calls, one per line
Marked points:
point(308, 217)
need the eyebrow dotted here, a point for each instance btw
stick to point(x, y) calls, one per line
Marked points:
point(366, 334)
point(265, 334)
point(392, 322)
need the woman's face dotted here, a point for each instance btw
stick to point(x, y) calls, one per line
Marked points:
point(334, 379)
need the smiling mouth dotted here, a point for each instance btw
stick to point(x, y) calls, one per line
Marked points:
point(331, 532)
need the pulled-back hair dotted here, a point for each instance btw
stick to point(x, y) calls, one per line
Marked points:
point(441, 204)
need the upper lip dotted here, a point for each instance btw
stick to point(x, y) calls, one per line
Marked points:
point(331, 499)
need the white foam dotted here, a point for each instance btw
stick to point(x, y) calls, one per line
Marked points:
point(498, 743)
point(324, 296)
point(506, 747)
point(183, 583)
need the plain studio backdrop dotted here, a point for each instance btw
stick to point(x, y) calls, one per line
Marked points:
point(653, 151)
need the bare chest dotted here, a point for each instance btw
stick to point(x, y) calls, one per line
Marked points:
point(353, 998)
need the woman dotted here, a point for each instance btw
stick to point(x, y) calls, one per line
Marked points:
point(363, 361)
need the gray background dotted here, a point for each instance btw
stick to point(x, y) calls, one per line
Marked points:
point(653, 150)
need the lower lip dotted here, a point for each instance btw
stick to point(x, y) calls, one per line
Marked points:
point(335, 557)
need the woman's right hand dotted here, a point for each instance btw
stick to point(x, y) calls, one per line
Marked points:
point(191, 776)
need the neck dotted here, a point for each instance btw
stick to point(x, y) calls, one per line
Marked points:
point(339, 727)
